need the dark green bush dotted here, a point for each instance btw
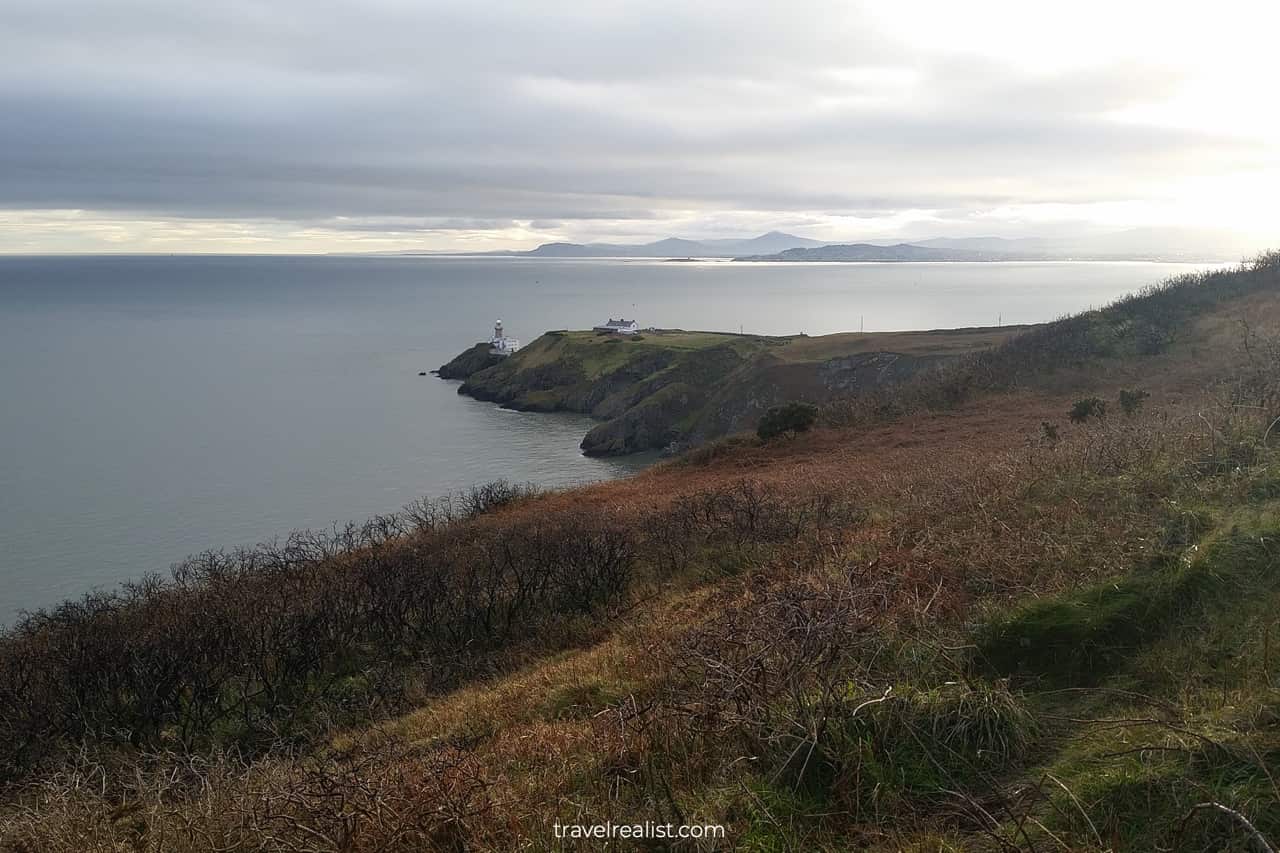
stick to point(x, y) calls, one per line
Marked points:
point(1131, 401)
point(786, 420)
point(1089, 407)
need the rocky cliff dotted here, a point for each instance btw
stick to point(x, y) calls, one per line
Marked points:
point(470, 361)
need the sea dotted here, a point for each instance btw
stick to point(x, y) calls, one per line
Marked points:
point(152, 407)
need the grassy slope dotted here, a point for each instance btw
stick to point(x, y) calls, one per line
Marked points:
point(990, 638)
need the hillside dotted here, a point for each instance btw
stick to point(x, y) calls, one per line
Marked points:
point(1024, 601)
point(668, 388)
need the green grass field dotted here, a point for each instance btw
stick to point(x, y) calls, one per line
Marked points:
point(609, 350)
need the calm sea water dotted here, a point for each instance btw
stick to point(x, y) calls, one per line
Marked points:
point(152, 407)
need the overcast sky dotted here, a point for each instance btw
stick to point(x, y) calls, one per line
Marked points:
point(314, 125)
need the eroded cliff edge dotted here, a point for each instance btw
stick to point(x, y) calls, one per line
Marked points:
point(677, 388)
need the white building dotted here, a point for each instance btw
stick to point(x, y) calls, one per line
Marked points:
point(622, 327)
point(500, 344)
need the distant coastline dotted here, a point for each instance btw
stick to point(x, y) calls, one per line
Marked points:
point(1149, 245)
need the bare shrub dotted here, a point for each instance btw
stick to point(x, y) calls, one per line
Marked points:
point(263, 646)
point(386, 799)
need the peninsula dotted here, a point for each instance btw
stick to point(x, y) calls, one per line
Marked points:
point(673, 389)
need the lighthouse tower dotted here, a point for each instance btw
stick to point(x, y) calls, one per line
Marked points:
point(500, 344)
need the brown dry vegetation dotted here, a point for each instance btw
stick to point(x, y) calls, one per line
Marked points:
point(949, 619)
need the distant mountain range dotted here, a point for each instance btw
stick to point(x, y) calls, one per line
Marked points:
point(1132, 244)
point(871, 252)
point(674, 247)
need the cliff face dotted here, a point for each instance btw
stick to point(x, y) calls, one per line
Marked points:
point(769, 381)
point(668, 388)
point(641, 389)
point(470, 361)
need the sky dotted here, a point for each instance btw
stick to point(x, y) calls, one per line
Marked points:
point(393, 125)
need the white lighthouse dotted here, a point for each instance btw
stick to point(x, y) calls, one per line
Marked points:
point(500, 344)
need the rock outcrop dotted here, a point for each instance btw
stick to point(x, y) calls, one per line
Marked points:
point(469, 362)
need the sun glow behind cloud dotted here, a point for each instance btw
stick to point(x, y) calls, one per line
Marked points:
point(174, 127)
point(1209, 70)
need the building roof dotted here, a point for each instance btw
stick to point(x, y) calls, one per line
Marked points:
point(613, 322)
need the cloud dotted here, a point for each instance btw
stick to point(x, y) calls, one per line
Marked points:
point(449, 121)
